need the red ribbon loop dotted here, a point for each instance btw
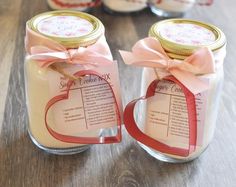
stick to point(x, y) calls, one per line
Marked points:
point(76, 5)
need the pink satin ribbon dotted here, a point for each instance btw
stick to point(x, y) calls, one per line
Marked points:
point(148, 52)
point(47, 51)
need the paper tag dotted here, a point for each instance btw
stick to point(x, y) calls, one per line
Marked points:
point(90, 104)
point(167, 115)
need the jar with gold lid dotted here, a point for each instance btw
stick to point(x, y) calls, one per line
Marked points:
point(80, 5)
point(72, 85)
point(182, 78)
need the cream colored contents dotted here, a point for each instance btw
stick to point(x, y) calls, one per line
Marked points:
point(125, 5)
point(215, 82)
point(37, 89)
point(173, 6)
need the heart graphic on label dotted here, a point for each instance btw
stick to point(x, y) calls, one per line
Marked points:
point(143, 138)
point(83, 140)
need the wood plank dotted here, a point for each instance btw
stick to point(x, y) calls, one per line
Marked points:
point(9, 12)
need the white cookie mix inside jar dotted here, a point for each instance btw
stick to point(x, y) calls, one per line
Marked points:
point(172, 127)
point(124, 6)
point(72, 84)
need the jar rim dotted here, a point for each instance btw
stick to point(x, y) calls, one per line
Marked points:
point(181, 51)
point(70, 42)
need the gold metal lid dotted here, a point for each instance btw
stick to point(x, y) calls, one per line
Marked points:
point(181, 37)
point(70, 28)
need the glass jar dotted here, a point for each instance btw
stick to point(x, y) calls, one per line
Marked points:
point(174, 8)
point(124, 6)
point(172, 122)
point(72, 85)
point(81, 5)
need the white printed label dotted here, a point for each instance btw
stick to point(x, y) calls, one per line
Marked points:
point(90, 104)
point(167, 115)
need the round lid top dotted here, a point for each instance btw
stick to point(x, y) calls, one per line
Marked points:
point(181, 37)
point(70, 28)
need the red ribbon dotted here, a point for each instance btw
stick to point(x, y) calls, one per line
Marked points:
point(206, 3)
point(136, 133)
point(83, 140)
point(75, 5)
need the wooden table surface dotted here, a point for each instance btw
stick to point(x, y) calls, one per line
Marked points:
point(124, 164)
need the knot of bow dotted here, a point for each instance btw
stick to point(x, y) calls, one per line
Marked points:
point(148, 52)
point(47, 51)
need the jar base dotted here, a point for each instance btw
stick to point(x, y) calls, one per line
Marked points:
point(164, 158)
point(60, 151)
point(165, 14)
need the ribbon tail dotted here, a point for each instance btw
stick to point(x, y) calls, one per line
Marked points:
point(101, 47)
point(128, 57)
point(190, 81)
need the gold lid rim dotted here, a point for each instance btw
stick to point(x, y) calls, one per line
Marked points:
point(178, 49)
point(72, 42)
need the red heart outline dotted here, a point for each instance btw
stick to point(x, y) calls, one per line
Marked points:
point(83, 140)
point(137, 134)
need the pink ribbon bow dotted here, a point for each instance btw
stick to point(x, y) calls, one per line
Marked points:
point(148, 52)
point(47, 51)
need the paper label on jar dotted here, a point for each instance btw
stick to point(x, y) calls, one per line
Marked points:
point(167, 115)
point(90, 105)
